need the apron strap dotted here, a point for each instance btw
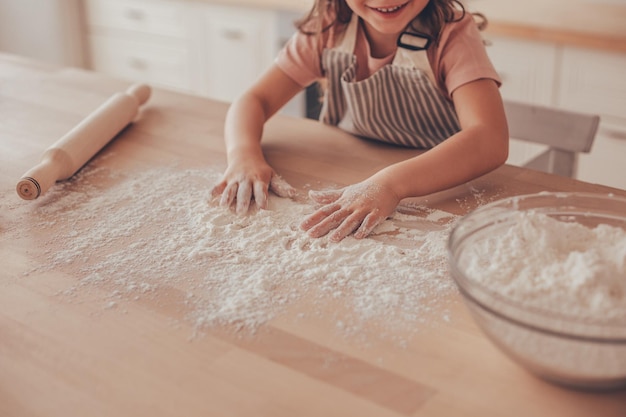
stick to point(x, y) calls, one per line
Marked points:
point(414, 58)
point(412, 47)
point(347, 43)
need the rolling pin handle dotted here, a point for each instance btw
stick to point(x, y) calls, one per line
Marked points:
point(140, 91)
point(28, 188)
point(40, 178)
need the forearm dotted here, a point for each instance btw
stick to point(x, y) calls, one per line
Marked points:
point(244, 128)
point(248, 114)
point(481, 146)
point(463, 157)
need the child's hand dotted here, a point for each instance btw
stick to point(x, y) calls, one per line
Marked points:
point(243, 184)
point(358, 208)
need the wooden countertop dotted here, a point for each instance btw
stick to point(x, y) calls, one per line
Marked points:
point(64, 354)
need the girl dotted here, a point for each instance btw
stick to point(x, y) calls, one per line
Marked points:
point(409, 72)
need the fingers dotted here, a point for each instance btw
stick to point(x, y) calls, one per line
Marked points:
point(244, 194)
point(260, 194)
point(343, 220)
point(249, 180)
point(241, 194)
point(281, 188)
point(349, 225)
point(354, 210)
point(333, 221)
point(325, 197)
point(218, 189)
point(320, 222)
point(344, 223)
point(368, 225)
point(228, 195)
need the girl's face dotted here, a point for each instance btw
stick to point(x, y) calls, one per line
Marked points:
point(386, 18)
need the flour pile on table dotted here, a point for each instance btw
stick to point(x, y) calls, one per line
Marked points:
point(157, 231)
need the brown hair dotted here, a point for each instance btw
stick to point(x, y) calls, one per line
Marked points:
point(432, 19)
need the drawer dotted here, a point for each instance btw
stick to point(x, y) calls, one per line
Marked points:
point(157, 17)
point(241, 46)
point(593, 81)
point(165, 64)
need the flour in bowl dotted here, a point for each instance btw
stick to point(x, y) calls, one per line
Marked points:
point(556, 265)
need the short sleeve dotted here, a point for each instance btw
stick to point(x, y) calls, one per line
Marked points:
point(300, 59)
point(461, 56)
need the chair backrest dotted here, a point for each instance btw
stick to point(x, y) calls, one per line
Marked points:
point(566, 133)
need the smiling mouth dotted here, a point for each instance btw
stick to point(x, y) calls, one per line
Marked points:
point(389, 9)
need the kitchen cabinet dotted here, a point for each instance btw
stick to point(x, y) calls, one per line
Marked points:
point(240, 44)
point(568, 77)
point(207, 49)
point(527, 72)
point(141, 40)
point(526, 68)
point(593, 81)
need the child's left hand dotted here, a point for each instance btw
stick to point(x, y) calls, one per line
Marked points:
point(357, 209)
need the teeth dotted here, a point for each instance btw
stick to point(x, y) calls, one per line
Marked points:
point(389, 9)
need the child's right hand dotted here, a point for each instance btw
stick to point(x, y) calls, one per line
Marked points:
point(244, 181)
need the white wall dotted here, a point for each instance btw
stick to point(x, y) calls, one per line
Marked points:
point(49, 30)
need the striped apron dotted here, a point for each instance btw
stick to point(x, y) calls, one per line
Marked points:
point(399, 103)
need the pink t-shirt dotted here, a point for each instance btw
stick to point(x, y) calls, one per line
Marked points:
point(459, 58)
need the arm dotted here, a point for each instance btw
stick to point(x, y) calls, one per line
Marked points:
point(248, 175)
point(480, 146)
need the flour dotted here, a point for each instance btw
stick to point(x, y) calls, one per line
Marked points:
point(154, 232)
point(555, 265)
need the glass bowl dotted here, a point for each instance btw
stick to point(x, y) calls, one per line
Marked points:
point(543, 276)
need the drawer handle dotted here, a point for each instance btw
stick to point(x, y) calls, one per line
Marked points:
point(135, 14)
point(233, 35)
point(613, 133)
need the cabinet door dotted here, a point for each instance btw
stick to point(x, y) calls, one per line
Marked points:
point(165, 64)
point(527, 68)
point(156, 17)
point(141, 40)
point(240, 46)
point(594, 82)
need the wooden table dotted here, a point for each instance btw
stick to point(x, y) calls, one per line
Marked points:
point(63, 356)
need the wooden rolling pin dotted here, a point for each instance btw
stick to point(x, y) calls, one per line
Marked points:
point(67, 155)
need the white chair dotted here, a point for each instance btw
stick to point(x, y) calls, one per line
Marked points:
point(565, 133)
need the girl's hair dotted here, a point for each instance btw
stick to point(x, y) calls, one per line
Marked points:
point(432, 19)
